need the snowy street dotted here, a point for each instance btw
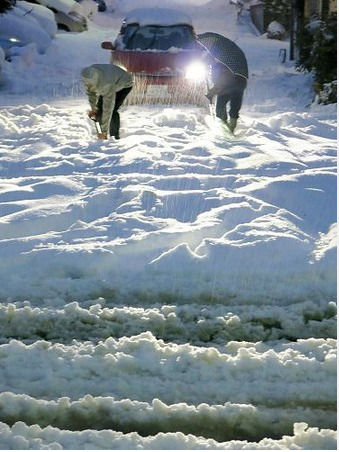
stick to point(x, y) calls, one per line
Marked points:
point(175, 288)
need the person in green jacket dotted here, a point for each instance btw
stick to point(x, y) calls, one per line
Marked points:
point(107, 86)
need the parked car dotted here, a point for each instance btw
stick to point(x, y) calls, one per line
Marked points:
point(68, 14)
point(160, 48)
point(22, 24)
point(17, 29)
point(7, 44)
point(41, 14)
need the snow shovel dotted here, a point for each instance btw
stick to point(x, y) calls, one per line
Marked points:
point(97, 126)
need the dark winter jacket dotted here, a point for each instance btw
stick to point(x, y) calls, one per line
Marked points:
point(225, 82)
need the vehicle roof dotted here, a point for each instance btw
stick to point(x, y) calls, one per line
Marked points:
point(157, 16)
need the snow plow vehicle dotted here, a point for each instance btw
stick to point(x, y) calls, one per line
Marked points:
point(159, 47)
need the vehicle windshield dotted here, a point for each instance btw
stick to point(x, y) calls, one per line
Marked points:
point(152, 37)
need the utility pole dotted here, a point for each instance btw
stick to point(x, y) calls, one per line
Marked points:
point(292, 30)
point(297, 22)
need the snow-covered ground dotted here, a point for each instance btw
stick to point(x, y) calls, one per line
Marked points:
point(176, 288)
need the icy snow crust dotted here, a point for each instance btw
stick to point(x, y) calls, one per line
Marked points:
point(175, 289)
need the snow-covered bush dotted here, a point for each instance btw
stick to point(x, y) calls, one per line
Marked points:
point(318, 54)
point(328, 93)
point(277, 10)
point(276, 31)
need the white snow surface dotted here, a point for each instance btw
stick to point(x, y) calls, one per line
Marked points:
point(157, 16)
point(17, 24)
point(174, 289)
point(42, 14)
point(62, 5)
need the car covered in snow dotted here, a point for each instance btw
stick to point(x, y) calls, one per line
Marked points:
point(22, 25)
point(69, 14)
point(41, 14)
point(159, 46)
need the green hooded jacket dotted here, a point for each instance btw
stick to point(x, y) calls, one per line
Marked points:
point(105, 80)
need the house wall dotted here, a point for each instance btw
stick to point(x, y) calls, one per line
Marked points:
point(333, 6)
point(313, 7)
point(317, 7)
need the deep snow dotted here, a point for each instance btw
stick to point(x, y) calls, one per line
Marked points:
point(179, 283)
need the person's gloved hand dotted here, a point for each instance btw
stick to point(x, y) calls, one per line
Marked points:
point(102, 136)
point(92, 114)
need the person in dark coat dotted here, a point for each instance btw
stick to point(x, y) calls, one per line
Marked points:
point(229, 76)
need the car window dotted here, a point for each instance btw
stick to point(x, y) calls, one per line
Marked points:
point(157, 37)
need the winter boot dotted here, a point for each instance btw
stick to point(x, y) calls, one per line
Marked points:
point(232, 124)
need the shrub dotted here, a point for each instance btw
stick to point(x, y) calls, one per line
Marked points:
point(318, 53)
point(277, 10)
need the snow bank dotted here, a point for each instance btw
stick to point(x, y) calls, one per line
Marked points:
point(21, 436)
point(14, 24)
point(43, 15)
point(64, 6)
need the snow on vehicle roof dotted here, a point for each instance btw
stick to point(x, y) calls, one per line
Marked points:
point(157, 16)
point(65, 6)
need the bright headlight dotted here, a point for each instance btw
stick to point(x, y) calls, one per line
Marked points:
point(196, 71)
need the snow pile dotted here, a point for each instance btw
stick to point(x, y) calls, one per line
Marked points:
point(43, 15)
point(15, 24)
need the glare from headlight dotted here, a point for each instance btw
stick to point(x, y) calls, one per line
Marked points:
point(196, 71)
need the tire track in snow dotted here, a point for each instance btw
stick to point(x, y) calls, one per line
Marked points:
point(143, 368)
point(220, 422)
point(21, 436)
point(199, 325)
